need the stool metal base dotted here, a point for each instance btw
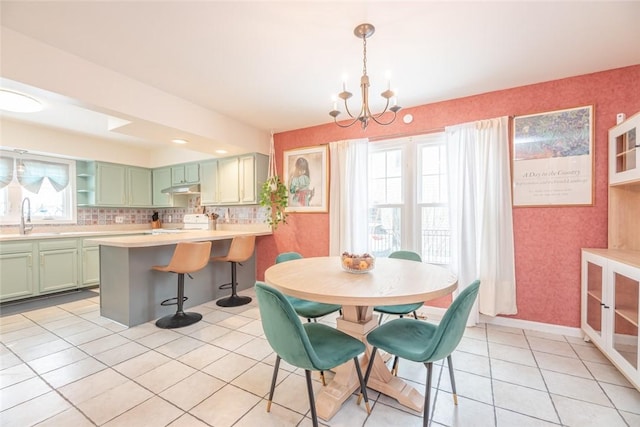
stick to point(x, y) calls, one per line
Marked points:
point(178, 320)
point(233, 301)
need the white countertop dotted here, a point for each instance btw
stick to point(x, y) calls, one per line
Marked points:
point(150, 240)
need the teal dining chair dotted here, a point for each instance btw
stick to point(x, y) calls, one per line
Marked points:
point(309, 346)
point(400, 309)
point(424, 342)
point(305, 308)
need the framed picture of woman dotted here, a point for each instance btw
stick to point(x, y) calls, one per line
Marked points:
point(306, 171)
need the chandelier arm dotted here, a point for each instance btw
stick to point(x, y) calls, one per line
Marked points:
point(383, 123)
point(346, 107)
point(347, 125)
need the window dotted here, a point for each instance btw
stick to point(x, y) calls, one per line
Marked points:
point(48, 183)
point(408, 206)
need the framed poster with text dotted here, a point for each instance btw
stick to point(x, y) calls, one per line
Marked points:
point(553, 158)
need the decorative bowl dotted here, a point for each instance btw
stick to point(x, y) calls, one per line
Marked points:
point(354, 263)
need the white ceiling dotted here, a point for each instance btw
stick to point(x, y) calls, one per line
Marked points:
point(275, 65)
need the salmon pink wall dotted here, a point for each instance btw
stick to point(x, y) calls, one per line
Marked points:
point(547, 240)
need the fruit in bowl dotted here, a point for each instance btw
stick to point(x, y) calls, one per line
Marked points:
point(354, 263)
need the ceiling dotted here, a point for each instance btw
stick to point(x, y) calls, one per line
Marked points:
point(275, 65)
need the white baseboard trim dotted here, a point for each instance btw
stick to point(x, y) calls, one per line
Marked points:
point(438, 312)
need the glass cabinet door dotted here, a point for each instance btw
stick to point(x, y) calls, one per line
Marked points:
point(594, 296)
point(625, 328)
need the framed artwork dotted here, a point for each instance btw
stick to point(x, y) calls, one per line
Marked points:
point(553, 158)
point(306, 171)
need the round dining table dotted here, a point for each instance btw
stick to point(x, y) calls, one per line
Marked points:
point(392, 281)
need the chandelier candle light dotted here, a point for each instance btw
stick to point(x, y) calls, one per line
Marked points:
point(364, 31)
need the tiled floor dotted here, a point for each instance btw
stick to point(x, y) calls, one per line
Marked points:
point(64, 365)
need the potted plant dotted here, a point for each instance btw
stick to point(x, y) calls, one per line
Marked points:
point(274, 196)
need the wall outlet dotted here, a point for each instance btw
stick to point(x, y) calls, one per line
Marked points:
point(119, 219)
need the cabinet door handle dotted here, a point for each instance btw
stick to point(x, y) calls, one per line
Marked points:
point(606, 306)
point(41, 259)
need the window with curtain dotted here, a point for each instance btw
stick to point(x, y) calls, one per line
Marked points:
point(408, 206)
point(48, 182)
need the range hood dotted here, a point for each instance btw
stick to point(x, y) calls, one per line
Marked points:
point(183, 189)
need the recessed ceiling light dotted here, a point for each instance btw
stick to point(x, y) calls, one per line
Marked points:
point(221, 151)
point(18, 102)
point(179, 141)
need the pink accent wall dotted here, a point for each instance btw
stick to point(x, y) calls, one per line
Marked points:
point(547, 240)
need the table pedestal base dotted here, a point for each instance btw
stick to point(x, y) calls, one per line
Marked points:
point(345, 382)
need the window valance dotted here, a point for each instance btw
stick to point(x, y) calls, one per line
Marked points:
point(32, 175)
point(6, 171)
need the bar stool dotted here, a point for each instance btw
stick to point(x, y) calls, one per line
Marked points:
point(240, 250)
point(187, 258)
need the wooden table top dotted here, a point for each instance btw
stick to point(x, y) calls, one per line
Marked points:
point(392, 281)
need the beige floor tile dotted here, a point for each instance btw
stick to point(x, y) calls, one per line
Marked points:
point(506, 418)
point(575, 387)
point(141, 364)
point(234, 322)
point(386, 416)
point(203, 356)
point(22, 392)
point(57, 360)
point(188, 420)
point(257, 379)
point(216, 316)
point(15, 323)
point(46, 315)
point(524, 400)
point(607, 373)
point(65, 322)
point(566, 365)
point(158, 338)
point(277, 417)
point(210, 333)
point(70, 417)
point(164, 376)
point(192, 390)
point(80, 326)
point(624, 398)
point(473, 346)
point(253, 328)
point(236, 404)
point(103, 344)
point(291, 392)
point(229, 367)
point(507, 329)
point(232, 341)
point(472, 363)
point(511, 354)
point(579, 413)
point(257, 348)
point(108, 405)
point(559, 348)
point(515, 373)
point(43, 349)
point(151, 413)
point(89, 335)
point(468, 385)
point(15, 374)
point(120, 354)
point(476, 332)
point(92, 385)
point(139, 331)
point(73, 372)
point(546, 335)
point(631, 418)
point(253, 313)
point(8, 359)
point(20, 340)
point(35, 410)
point(177, 348)
point(590, 353)
point(468, 412)
point(506, 338)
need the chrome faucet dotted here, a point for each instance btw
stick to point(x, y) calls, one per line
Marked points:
point(25, 229)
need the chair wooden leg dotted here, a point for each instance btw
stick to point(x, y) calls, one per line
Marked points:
point(273, 383)
point(453, 380)
point(312, 403)
point(363, 387)
point(427, 395)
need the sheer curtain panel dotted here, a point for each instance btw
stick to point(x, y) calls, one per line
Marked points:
point(348, 196)
point(481, 213)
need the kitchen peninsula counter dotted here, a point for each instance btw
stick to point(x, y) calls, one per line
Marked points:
point(131, 292)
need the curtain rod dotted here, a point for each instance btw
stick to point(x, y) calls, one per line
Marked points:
point(404, 135)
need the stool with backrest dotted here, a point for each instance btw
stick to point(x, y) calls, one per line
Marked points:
point(424, 342)
point(241, 249)
point(188, 257)
point(400, 309)
point(309, 346)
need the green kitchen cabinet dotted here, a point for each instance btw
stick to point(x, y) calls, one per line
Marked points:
point(16, 270)
point(90, 263)
point(139, 187)
point(161, 180)
point(58, 261)
point(209, 183)
point(111, 184)
point(188, 173)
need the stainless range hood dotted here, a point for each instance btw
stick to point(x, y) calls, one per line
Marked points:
point(183, 189)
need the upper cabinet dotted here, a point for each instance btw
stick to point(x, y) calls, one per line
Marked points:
point(624, 152)
point(110, 184)
point(188, 173)
point(234, 180)
point(161, 180)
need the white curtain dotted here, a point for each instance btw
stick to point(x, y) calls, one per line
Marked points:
point(481, 216)
point(348, 194)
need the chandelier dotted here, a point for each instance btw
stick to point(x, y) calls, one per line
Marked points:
point(364, 31)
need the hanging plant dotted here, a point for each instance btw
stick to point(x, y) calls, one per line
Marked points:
point(275, 198)
point(274, 195)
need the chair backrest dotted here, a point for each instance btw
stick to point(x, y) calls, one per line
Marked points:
point(241, 248)
point(451, 327)
point(287, 256)
point(189, 257)
point(283, 328)
point(411, 256)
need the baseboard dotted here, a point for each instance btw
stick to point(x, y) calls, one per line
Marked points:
point(437, 313)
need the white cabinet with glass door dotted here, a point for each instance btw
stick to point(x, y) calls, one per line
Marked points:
point(610, 306)
point(624, 151)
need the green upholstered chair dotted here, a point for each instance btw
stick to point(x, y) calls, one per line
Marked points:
point(309, 346)
point(424, 342)
point(400, 309)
